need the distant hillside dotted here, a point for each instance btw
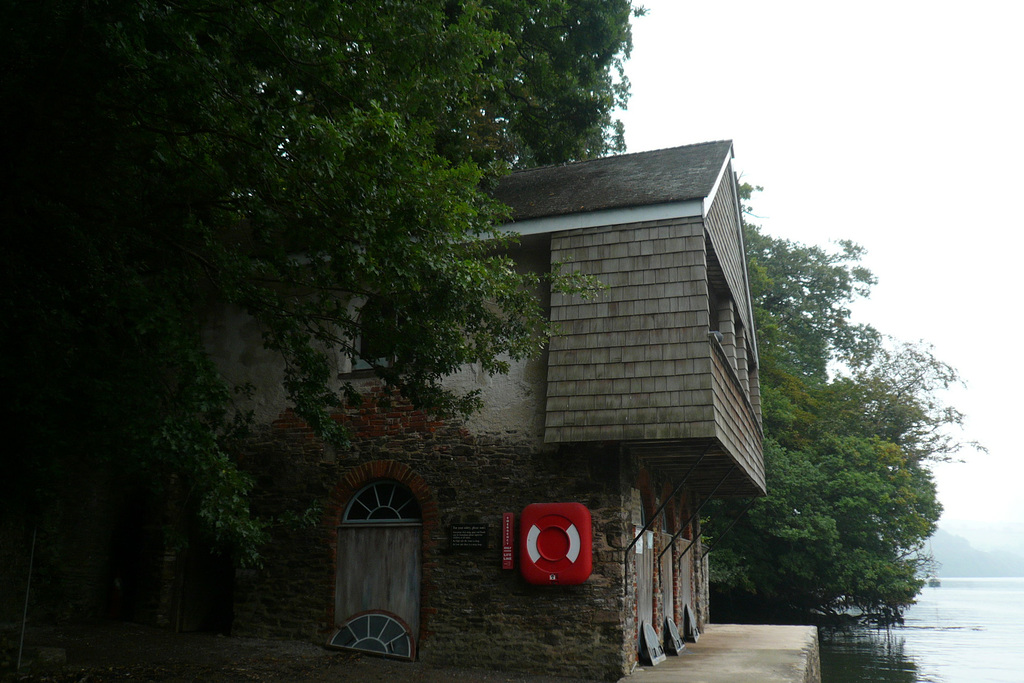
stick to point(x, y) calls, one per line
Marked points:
point(988, 536)
point(958, 557)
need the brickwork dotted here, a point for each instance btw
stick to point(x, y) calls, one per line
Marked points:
point(685, 567)
point(473, 613)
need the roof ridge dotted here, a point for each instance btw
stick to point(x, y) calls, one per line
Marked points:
point(581, 162)
point(662, 176)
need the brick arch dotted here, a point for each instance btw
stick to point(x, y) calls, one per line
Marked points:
point(686, 508)
point(375, 470)
point(670, 507)
point(353, 481)
point(672, 515)
point(646, 488)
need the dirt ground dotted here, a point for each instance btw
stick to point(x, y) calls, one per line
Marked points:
point(117, 651)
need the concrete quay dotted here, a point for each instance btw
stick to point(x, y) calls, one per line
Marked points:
point(733, 653)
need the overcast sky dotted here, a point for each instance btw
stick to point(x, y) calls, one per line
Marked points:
point(898, 125)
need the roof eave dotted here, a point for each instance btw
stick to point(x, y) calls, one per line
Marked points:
point(718, 181)
point(617, 216)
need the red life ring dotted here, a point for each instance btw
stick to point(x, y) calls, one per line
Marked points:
point(553, 543)
point(557, 539)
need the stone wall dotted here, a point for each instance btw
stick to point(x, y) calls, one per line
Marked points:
point(96, 553)
point(473, 613)
point(652, 490)
point(812, 662)
point(15, 550)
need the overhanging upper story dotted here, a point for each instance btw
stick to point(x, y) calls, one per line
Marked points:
point(664, 361)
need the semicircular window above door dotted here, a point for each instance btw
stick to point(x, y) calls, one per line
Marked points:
point(382, 502)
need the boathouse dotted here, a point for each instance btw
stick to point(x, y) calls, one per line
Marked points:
point(555, 528)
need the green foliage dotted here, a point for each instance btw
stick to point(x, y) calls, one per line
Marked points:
point(836, 533)
point(580, 46)
point(851, 421)
point(801, 296)
point(321, 166)
point(896, 395)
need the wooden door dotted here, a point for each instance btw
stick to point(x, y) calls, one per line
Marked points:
point(686, 580)
point(667, 577)
point(687, 613)
point(377, 584)
point(379, 571)
point(645, 580)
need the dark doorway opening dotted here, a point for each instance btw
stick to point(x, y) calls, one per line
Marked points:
point(206, 589)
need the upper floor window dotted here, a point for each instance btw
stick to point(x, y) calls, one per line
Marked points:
point(368, 355)
point(378, 321)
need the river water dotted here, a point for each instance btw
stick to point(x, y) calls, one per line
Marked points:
point(965, 631)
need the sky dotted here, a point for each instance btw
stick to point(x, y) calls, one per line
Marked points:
point(898, 125)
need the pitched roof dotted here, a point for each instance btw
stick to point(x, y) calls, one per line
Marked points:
point(661, 176)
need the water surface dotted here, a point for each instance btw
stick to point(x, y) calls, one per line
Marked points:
point(966, 631)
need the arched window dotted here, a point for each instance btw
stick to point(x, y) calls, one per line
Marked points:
point(377, 633)
point(382, 502)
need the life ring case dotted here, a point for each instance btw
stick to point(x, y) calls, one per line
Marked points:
point(556, 544)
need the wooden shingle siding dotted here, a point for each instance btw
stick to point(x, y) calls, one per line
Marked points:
point(755, 394)
point(635, 362)
point(736, 423)
point(723, 229)
point(639, 364)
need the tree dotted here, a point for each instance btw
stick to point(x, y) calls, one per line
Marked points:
point(576, 51)
point(851, 419)
point(802, 296)
point(895, 394)
point(838, 532)
point(321, 165)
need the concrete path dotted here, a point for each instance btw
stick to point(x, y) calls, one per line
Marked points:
point(728, 653)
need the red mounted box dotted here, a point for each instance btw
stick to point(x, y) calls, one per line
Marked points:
point(507, 538)
point(556, 543)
